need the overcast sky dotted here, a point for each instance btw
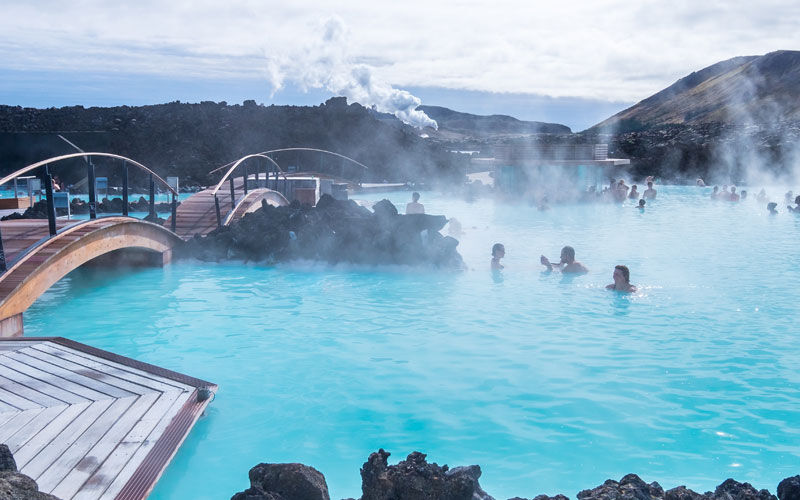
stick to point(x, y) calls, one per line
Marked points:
point(594, 52)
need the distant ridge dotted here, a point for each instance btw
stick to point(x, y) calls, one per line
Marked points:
point(476, 125)
point(743, 90)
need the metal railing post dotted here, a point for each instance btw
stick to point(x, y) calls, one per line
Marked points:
point(233, 194)
point(3, 266)
point(51, 207)
point(245, 179)
point(152, 196)
point(124, 188)
point(92, 188)
point(219, 215)
point(174, 211)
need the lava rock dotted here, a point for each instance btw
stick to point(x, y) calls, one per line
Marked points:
point(542, 497)
point(789, 488)
point(416, 479)
point(630, 487)
point(734, 490)
point(284, 482)
point(7, 462)
point(683, 493)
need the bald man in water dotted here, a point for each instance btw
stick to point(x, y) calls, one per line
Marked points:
point(567, 260)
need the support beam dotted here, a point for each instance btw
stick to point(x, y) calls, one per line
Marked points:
point(47, 179)
point(124, 188)
point(92, 189)
point(11, 327)
point(152, 197)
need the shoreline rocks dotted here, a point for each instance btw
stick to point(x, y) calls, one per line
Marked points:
point(13, 484)
point(416, 479)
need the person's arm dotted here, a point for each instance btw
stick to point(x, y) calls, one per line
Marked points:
point(546, 262)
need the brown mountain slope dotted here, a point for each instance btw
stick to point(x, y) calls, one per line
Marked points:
point(753, 89)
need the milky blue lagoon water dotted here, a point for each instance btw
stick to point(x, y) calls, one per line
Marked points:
point(551, 384)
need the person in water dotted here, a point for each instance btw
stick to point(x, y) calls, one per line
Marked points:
point(633, 194)
point(700, 182)
point(715, 193)
point(622, 280)
point(649, 193)
point(796, 202)
point(641, 205)
point(415, 207)
point(771, 208)
point(762, 196)
point(744, 195)
point(570, 265)
point(498, 252)
point(733, 196)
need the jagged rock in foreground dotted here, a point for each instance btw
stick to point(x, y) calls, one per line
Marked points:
point(284, 482)
point(632, 487)
point(334, 231)
point(416, 479)
point(789, 488)
point(16, 486)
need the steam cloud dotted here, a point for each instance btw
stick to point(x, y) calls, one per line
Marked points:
point(325, 63)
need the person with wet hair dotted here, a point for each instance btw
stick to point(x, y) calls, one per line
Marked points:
point(641, 205)
point(414, 206)
point(733, 196)
point(715, 193)
point(649, 193)
point(724, 195)
point(567, 263)
point(622, 280)
point(744, 195)
point(771, 208)
point(633, 194)
point(498, 252)
point(796, 202)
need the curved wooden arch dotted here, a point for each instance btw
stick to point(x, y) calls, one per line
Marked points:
point(49, 261)
point(252, 202)
point(24, 170)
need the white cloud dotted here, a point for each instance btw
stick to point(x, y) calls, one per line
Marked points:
point(611, 50)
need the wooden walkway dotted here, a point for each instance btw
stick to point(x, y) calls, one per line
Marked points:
point(88, 424)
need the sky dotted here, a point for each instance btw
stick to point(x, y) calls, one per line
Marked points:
point(569, 62)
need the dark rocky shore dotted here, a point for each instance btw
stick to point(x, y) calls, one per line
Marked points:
point(335, 232)
point(416, 479)
point(16, 486)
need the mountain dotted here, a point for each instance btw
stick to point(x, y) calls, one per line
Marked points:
point(455, 123)
point(743, 90)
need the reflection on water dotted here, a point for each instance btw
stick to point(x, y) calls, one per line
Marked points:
point(550, 382)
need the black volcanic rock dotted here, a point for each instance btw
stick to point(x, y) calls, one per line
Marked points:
point(335, 232)
point(734, 490)
point(487, 126)
point(789, 488)
point(416, 479)
point(16, 486)
point(630, 487)
point(7, 462)
point(284, 482)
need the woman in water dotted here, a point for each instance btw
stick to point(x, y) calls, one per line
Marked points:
point(633, 194)
point(622, 280)
point(498, 252)
point(796, 202)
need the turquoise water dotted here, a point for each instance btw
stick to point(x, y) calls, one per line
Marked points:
point(551, 384)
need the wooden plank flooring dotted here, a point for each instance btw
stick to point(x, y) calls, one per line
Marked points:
point(86, 424)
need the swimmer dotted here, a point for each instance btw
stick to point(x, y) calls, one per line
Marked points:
point(796, 202)
point(762, 196)
point(622, 280)
point(715, 193)
point(771, 207)
point(744, 195)
point(724, 194)
point(641, 205)
point(633, 194)
point(498, 252)
point(649, 178)
point(567, 260)
point(415, 207)
point(733, 196)
point(700, 182)
point(621, 191)
point(649, 193)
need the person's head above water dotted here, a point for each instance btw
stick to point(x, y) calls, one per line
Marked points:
point(641, 203)
point(623, 272)
point(797, 200)
point(771, 207)
point(650, 184)
point(415, 196)
point(568, 254)
point(498, 250)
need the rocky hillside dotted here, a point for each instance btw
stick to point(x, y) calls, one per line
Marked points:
point(189, 140)
point(761, 90)
point(470, 125)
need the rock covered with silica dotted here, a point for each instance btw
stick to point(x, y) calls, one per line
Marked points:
point(284, 482)
point(789, 488)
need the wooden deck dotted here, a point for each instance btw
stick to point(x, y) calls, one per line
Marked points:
point(87, 424)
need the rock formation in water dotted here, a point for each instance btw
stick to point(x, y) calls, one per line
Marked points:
point(416, 479)
point(16, 486)
point(334, 231)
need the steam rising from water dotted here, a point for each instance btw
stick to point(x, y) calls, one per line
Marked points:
point(326, 63)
